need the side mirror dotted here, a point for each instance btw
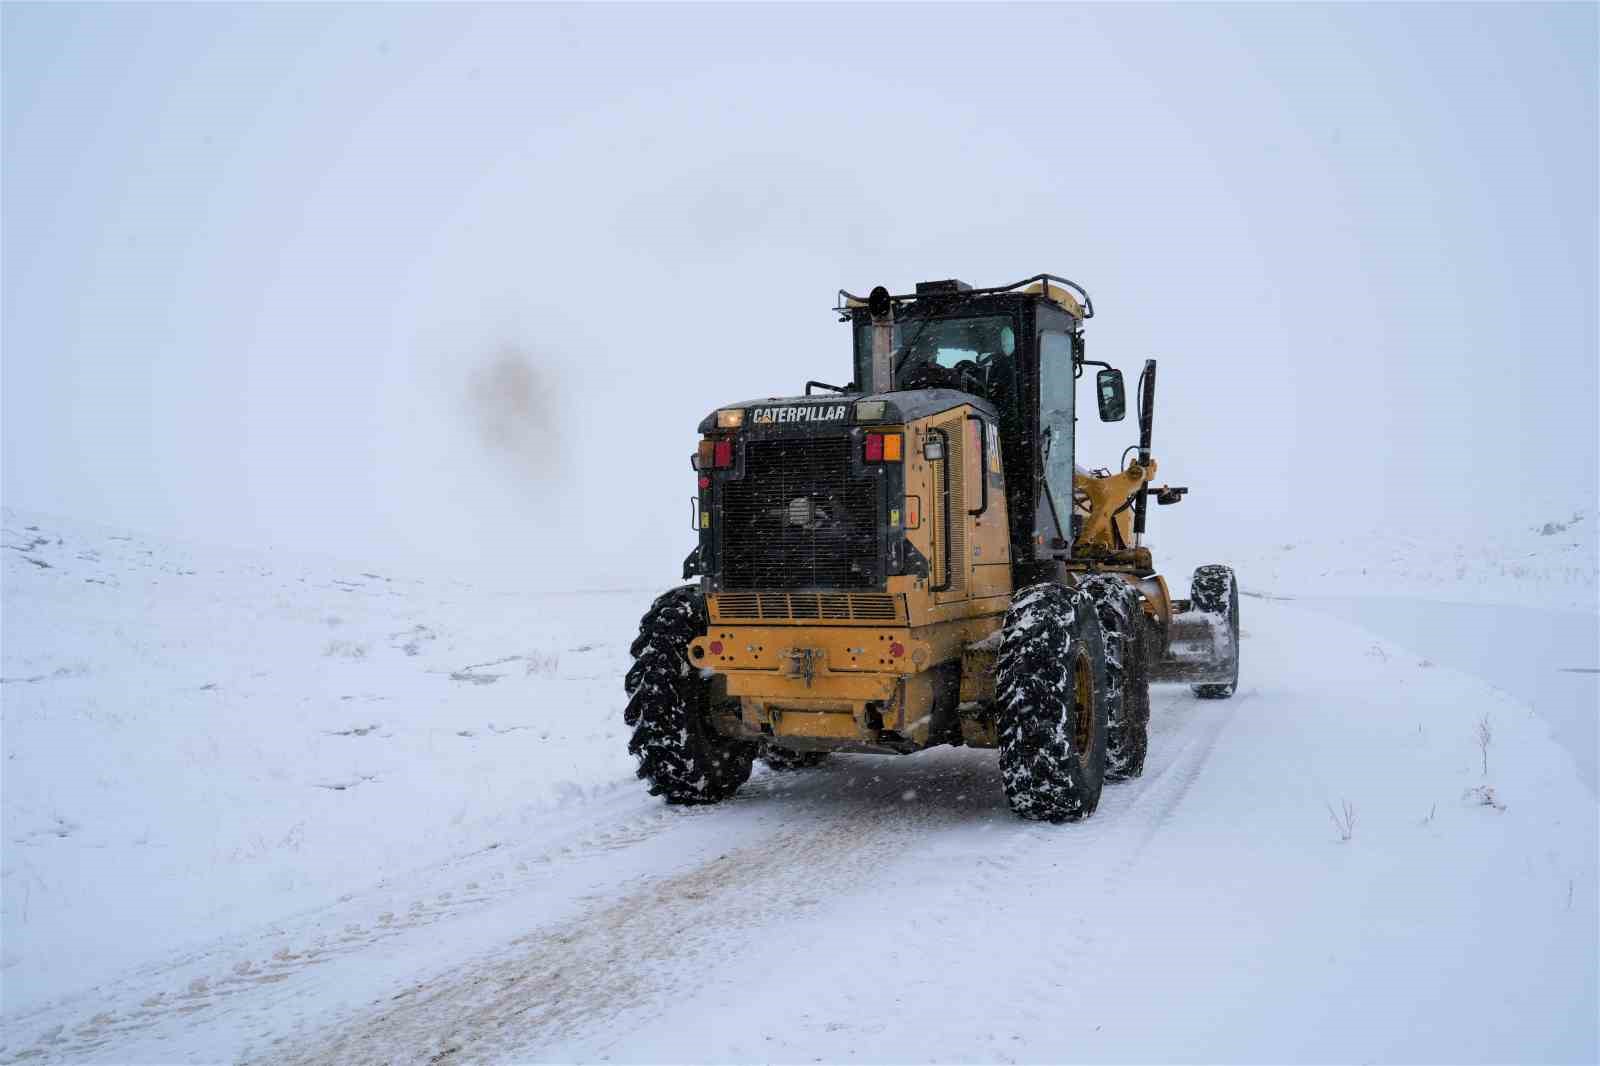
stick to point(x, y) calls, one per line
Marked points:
point(1113, 400)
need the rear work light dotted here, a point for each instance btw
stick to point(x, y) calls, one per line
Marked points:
point(883, 447)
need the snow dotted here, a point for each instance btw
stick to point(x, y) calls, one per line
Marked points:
point(1545, 658)
point(1552, 564)
point(271, 807)
point(223, 738)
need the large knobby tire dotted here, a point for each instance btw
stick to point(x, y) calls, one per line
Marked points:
point(1050, 689)
point(783, 759)
point(1216, 592)
point(680, 754)
point(1127, 674)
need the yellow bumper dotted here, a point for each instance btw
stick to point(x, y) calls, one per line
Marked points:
point(830, 687)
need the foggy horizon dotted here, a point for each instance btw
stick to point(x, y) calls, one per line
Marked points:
point(451, 287)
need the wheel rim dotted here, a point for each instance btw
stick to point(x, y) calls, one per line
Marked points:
point(1083, 705)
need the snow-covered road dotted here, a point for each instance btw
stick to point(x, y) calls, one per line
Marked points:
point(879, 909)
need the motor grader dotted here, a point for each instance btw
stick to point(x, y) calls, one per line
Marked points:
point(917, 558)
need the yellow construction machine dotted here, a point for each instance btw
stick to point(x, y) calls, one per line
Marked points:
point(917, 558)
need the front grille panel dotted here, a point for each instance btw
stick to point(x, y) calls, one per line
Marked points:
point(806, 606)
point(799, 520)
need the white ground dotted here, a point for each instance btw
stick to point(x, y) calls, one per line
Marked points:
point(264, 809)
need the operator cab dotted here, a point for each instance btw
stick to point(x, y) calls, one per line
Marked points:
point(1021, 348)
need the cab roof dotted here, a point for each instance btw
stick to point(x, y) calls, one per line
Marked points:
point(1057, 290)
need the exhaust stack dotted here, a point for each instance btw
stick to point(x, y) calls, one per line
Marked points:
point(881, 307)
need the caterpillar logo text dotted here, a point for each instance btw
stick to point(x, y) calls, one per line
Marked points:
point(813, 413)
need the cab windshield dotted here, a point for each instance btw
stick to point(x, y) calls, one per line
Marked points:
point(977, 348)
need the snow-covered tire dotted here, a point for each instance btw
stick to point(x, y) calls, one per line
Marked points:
point(783, 759)
point(680, 754)
point(1050, 688)
point(1214, 591)
point(1127, 675)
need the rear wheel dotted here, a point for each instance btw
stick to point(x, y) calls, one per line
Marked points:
point(1215, 592)
point(1127, 674)
point(680, 754)
point(1050, 687)
point(782, 759)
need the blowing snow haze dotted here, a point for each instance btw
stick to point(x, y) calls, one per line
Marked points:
point(351, 357)
point(453, 285)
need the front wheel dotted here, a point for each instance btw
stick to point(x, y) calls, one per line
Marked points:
point(1215, 593)
point(1122, 623)
point(681, 755)
point(1050, 687)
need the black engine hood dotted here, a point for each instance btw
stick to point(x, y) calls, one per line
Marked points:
point(818, 412)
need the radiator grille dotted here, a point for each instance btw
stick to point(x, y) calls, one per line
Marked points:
point(805, 607)
point(798, 520)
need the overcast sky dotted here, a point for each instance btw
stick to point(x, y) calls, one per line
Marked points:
point(450, 287)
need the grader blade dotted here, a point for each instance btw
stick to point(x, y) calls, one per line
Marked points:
point(1201, 649)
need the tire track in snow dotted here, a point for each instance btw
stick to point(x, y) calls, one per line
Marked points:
point(569, 978)
point(624, 953)
point(627, 953)
point(197, 980)
point(1019, 880)
point(1167, 789)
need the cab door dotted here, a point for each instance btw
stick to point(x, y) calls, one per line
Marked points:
point(990, 532)
point(972, 551)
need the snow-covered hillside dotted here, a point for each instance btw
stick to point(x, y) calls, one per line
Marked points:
point(197, 741)
point(260, 808)
point(1551, 564)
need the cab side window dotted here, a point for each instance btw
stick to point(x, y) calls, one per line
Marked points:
point(1056, 382)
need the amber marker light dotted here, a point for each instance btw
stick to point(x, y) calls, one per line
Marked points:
point(883, 447)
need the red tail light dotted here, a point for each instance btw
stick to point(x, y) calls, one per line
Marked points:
point(883, 448)
point(715, 454)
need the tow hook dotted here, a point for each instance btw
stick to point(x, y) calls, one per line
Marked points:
point(802, 663)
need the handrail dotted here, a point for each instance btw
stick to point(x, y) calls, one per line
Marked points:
point(983, 463)
point(944, 510)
